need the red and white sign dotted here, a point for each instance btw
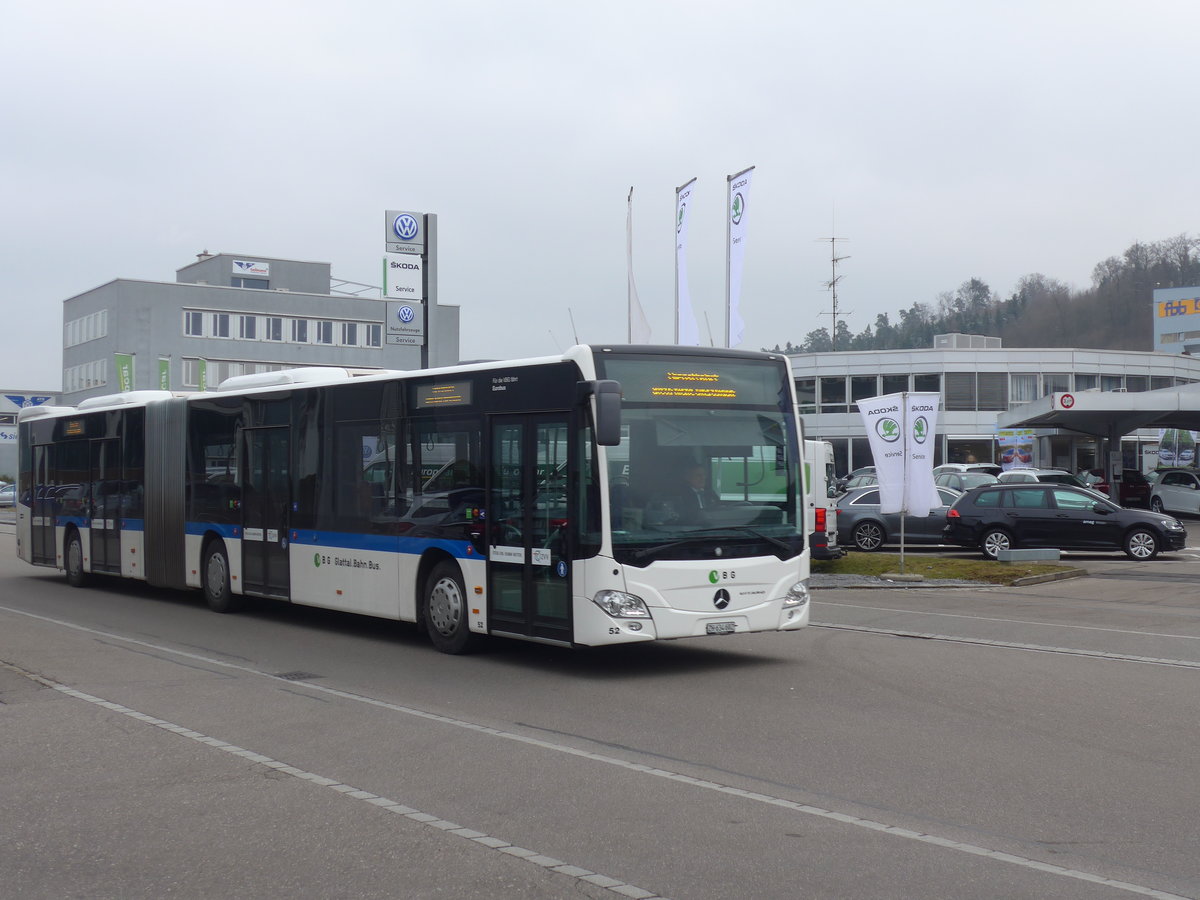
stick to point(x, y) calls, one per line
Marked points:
point(1067, 401)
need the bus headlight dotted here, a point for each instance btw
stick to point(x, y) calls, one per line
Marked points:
point(797, 595)
point(620, 605)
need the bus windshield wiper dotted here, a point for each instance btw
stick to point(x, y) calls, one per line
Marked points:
point(707, 533)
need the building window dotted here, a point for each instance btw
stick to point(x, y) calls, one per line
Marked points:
point(349, 334)
point(1023, 387)
point(1086, 382)
point(927, 383)
point(960, 391)
point(1056, 383)
point(992, 390)
point(193, 324)
point(261, 284)
point(299, 331)
point(1136, 383)
point(220, 325)
point(1112, 382)
point(374, 335)
point(894, 384)
point(863, 387)
point(191, 373)
point(324, 332)
point(833, 395)
point(806, 395)
point(273, 328)
point(248, 328)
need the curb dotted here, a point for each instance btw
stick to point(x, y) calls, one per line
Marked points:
point(1053, 576)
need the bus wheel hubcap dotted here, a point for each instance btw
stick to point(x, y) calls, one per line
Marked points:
point(445, 606)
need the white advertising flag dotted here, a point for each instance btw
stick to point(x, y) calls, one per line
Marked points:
point(687, 332)
point(639, 327)
point(739, 200)
point(901, 429)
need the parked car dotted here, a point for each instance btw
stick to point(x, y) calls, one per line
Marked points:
point(963, 481)
point(861, 525)
point(858, 477)
point(1034, 476)
point(1133, 489)
point(989, 468)
point(8, 495)
point(1008, 516)
point(1176, 490)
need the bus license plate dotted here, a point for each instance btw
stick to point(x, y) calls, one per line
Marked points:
point(721, 627)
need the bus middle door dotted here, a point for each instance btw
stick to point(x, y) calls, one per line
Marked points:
point(105, 512)
point(529, 586)
point(266, 500)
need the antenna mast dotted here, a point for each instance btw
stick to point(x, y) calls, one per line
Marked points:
point(832, 283)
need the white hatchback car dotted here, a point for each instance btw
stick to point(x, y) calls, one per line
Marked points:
point(1177, 491)
point(8, 495)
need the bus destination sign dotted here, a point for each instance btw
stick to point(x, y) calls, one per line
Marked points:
point(452, 393)
point(693, 386)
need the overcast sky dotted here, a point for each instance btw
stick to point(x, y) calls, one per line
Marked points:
point(943, 141)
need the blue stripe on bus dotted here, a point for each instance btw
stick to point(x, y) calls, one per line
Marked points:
point(345, 540)
point(384, 543)
point(86, 522)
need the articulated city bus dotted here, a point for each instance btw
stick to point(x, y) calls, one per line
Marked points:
point(549, 499)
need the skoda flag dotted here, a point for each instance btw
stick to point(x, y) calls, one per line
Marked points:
point(901, 430)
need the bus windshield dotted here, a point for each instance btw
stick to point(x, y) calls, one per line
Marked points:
point(707, 466)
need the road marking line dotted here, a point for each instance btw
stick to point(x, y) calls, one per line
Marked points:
point(501, 846)
point(1185, 637)
point(807, 809)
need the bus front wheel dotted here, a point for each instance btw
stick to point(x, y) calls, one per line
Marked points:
point(217, 592)
point(445, 610)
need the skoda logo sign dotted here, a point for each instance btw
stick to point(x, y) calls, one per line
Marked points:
point(888, 429)
point(920, 429)
point(721, 600)
point(679, 218)
point(738, 208)
point(406, 314)
point(406, 227)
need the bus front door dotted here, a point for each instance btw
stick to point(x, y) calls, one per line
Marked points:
point(529, 585)
point(105, 512)
point(266, 499)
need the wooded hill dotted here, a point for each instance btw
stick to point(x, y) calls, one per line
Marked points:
point(1113, 314)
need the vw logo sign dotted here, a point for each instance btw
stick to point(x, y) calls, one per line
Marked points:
point(405, 226)
point(721, 600)
point(406, 314)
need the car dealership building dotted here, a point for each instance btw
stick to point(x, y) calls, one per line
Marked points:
point(980, 381)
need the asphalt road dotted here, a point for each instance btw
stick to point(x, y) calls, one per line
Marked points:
point(965, 743)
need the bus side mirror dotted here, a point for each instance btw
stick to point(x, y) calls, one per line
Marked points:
point(607, 396)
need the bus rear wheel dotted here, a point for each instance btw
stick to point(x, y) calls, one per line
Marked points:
point(444, 610)
point(76, 577)
point(217, 592)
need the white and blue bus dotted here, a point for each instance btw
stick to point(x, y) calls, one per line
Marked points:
point(535, 499)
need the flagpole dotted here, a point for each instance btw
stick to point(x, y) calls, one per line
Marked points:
point(629, 281)
point(904, 501)
point(728, 250)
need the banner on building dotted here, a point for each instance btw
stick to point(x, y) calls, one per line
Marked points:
point(164, 373)
point(687, 332)
point(901, 429)
point(124, 363)
point(739, 199)
point(202, 374)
